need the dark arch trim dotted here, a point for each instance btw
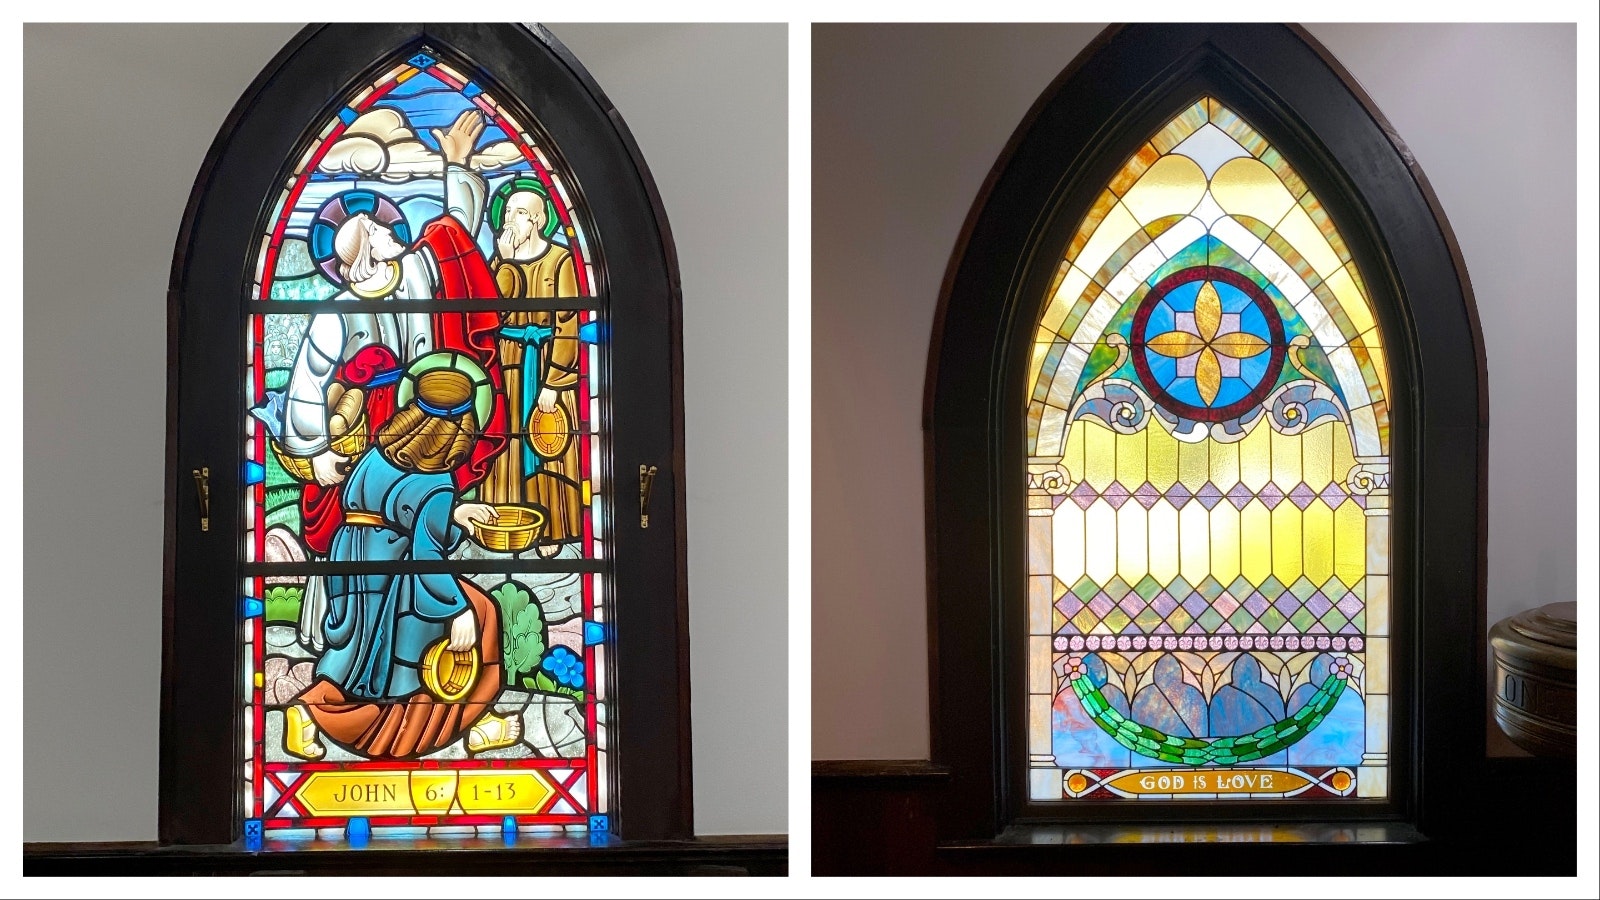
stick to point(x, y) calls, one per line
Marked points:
point(1116, 93)
point(632, 243)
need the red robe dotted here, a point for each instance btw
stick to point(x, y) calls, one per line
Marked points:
point(463, 274)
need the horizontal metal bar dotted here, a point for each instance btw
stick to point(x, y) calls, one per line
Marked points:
point(430, 567)
point(490, 304)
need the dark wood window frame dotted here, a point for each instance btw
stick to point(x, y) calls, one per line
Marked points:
point(537, 77)
point(1120, 90)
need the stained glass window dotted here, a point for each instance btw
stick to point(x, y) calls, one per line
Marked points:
point(1208, 538)
point(424, 618)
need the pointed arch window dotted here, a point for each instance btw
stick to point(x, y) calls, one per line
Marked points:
point(1208, 468)
point(1206, 427)
point(457, 305)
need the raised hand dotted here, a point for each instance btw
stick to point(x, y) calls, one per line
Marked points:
point(458, 142)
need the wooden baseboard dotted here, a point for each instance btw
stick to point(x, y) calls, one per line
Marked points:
point(765, 855)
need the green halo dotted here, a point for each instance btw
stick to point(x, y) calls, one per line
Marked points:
point(502, 194)
point(482, 387)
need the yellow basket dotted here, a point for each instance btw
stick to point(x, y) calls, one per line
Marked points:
point(514, 531)
point(448, 674)
point(352, 442)
point(349, 444)
point(297, 466)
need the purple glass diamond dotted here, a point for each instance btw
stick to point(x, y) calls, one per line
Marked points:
point(1349, 628)
point(1116, 495)
point(1333, 496)
point(1350, 604)
point(1147, 495)
point(1069, 605)
point(1318, 604)
point(1287, 603)
point(1239, 496)
point(1225, 628)
point(1256, 603)
point(1178, 495)
point(1360, 501)
point(1194, 605)
point(1302, 495)
point(1083, 495)
point(1318, 628)
point(1225, 605)
point(1271, 496)
point(1163, 604)
point(1132, 604)
point(1164, 628)
point(1256, 628)
point(1101, 604)
point(1209, 495)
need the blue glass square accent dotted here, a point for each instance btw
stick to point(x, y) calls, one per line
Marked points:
point(348, 115)
point(471, 90)
point(599, 825)
point(422, 61)
point(358, 831)
point(253, 607)
point(254, 472)
point(252, 834)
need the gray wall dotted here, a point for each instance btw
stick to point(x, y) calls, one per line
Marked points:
point(118, 120)
point(906, 122)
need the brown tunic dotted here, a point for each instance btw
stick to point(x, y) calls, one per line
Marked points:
point(557, 485)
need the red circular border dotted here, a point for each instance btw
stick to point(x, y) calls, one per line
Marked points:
point(1141, 319)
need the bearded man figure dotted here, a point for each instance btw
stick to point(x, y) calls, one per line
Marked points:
point(540, 352)
point(354, 240)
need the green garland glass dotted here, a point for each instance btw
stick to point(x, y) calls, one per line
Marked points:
point(1264, 741)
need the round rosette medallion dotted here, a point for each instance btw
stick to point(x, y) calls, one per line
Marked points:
point(1208, 343)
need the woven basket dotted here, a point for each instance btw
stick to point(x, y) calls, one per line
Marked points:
point(448, 674)
point(515, 531)
point(298, 467)
point(549, 432)
point(352, 442)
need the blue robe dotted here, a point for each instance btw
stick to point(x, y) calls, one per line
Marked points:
point(378, 626)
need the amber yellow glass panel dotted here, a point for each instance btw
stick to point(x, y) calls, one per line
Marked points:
point(1194, 542)
point(1245, 187)
point(1255, 458)
point(1100, 541)
point(1099, 454)
point(1316, 456)
point(1343, 453)
point(1161, 458)
point(1039, 538)
point(1351, 300)
point(1164, 542)
point(1285, 461)
point(1114, 229)
point(1173, 185)
point(1304, 236)
point(1136, 166)
point(1131, 458)
point(1224, 542)
point(1041, 348)
point(1224, 466)
point(1066, 294)
point(1350, 543)
point(1193, 465)
point(1072, 453)
point(1286, 542)
point(1316, 525)
point(1091, 222)
point(1255, 542)
point(1133, 559)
